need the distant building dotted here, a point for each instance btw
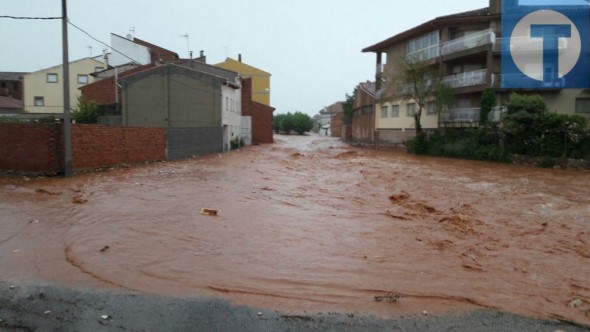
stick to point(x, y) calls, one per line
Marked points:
point(330, 119)
point(260, 78)
point(43, 89)
point(11, 85)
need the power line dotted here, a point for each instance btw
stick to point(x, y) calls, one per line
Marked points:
point(105, 44)
point(29, 18)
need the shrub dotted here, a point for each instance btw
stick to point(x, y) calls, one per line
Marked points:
point(87, 112)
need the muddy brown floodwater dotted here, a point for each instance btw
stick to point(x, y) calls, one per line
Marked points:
point(310, 224)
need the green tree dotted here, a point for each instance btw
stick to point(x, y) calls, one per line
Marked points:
point(276, 122)
point(414, 80)
point(302, 123)
point(488, 101)
point(349, 107)
point(86, 112)
point(532, 104)
point(287, 124)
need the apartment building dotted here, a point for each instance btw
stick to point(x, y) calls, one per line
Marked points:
point(466, 48)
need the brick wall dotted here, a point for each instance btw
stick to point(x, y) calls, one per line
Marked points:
point(101, 146)
point(261, 115)
point(103, 92)
point(30, 147)
point(38, 148)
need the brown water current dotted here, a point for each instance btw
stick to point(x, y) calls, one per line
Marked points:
point(310, 224)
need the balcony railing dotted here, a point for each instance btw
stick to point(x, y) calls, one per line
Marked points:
point(468, 42)
point(469, 78)
point(470, 115)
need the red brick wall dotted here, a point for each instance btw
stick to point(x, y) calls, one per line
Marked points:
point(101, 146)
point(39, 147)
point(262, 123)
point(30, 147)
point(260, 113)
point(103, 92)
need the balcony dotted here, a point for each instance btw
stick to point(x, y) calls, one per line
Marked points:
point(461, 115)
point(468, 42)
point(469, 78)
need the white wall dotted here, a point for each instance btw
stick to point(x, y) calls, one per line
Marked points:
point(136, 52)
point(231, 111)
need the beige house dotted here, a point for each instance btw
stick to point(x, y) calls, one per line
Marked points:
point(43, 89)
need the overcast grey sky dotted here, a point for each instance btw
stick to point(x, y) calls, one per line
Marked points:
point(312, 48)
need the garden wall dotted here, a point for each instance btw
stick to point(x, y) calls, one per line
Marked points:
point(38, 148)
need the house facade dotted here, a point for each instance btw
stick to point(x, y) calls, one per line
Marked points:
point(466, 50)
point(363, 114)
point(260, 78)
point(43, 89)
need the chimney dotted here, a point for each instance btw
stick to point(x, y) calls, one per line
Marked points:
point(495, 7)
point(240, 57)
point(105, 56)
point(202, 58)
point(191, 54)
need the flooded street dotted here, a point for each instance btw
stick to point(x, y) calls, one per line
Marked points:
point(310, 224)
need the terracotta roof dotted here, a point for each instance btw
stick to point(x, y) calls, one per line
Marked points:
point(11, 103)
point(11, 76)
point(368, 87)
point(471, 13)
point(162, 53)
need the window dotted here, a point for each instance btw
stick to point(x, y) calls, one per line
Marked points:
point(82, 79)
point(395, 111)
point(424, 48)
point(384, 111)
point(583, 106)
point(15, 86)
point(51, 78)
point(3, 85)
point(39, 101)
point(411, 109)
point(431, 108)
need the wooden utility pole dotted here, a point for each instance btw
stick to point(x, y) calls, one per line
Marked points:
point(66, 93)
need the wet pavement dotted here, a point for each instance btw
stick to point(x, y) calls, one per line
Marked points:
point(311, 225)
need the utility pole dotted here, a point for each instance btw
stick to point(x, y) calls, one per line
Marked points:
point(66, 93)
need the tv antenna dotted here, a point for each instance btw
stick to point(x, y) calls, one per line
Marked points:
point(188, 46)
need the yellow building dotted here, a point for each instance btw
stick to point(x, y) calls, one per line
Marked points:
point(43, 89)
point(260, 78)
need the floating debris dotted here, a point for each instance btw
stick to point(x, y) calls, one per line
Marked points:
point(209, 212)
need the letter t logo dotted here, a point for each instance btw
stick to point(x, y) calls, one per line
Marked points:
point(551, 34)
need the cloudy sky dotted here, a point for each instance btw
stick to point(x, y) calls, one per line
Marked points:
point(311, 47)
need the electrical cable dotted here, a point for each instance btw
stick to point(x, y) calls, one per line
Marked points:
point(101, 42)
point(29, 18)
